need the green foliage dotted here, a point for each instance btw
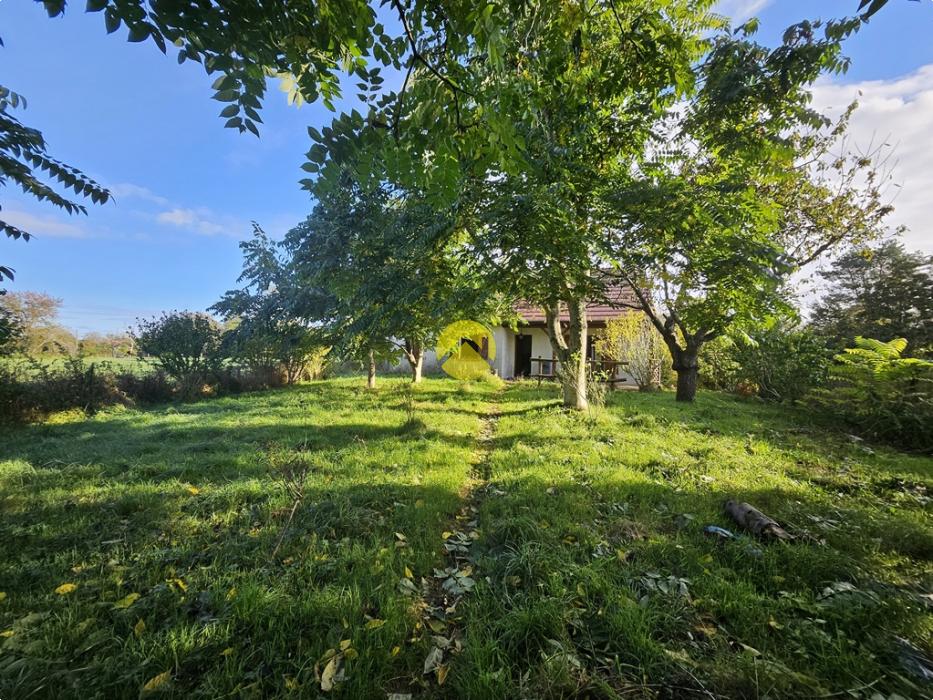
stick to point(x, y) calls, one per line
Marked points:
point(632, 338)
point(881, 394)
point(265, 335)
point(31, 390)
point(718, 215)
point(186, 344)
point(884, 292)
point(35, 315)
point(377, 270)
point(24, 161)
point(11, 331)
point(779, 362)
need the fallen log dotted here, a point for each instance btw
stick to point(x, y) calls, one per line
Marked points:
point(755, 521)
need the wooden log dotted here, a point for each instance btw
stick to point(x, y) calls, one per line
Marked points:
point(755, 521)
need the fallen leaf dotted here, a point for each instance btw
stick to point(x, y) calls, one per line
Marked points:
point(442, 674)
point(193, 490)
point(329, 675)
point(66, 588)
point(408, 573)
point(374, 624)
point(2, 596)
point(291, 683)
point(436, 625)
point(178, 582)
point(227, 652)
point(139, 628)
point(6, 634)
point(419, 503)
point(395, 651)
point(157, 682)
point(126, 601)
point(446, 534)
point(433, 660)
point(231, 594)
point(345, 644)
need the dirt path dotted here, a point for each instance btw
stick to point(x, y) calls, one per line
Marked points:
point(444, 590)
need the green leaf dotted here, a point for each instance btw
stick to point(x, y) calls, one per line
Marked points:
point(111, 20)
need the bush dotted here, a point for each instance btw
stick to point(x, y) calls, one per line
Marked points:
point(187, 346)
point(148, 388)
point(778, 363)
point(633, 338)
point(881, 394)
point(31, 390)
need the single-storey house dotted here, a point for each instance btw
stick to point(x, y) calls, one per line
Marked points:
point(526, 351)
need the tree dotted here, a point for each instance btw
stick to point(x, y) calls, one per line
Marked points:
point(266, 336)
point(383, 260)
point(583, 91)
point(23, 159)
point(36, 314)
point(883, 292)
point(11, 331)
point(632, 338)
point(185, 343)
point(872, 6)
point(744, 191)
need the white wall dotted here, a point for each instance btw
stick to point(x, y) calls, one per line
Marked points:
point(504, 364)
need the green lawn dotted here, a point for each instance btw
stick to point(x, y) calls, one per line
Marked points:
point(583, 569)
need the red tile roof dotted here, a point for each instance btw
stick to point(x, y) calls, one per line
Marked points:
point(596, 312)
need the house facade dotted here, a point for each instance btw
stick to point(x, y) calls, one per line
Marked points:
point(527, 352)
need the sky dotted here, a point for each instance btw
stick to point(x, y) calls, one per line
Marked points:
point(186, 189)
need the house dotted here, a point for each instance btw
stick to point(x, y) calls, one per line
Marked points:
point(527, 351)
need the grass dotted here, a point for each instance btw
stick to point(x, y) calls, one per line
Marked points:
point(134, 365)
point(591, 574)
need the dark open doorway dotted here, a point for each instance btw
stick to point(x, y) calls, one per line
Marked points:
point(522, 355)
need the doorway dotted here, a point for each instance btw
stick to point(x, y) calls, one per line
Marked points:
point(522, 355)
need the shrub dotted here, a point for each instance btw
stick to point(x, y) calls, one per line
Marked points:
point(881, 394)
point(632, 338)
point(718, 367)
point(30, 390)
point(187, 346)
point(149, 388)
point(778, 363)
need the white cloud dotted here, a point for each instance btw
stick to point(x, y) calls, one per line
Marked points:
point(740, 10)
point(42, 225)
point(128, 190)
point(201, 221)
point(896, 112)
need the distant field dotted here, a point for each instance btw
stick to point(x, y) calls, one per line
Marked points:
point(458, 541)
point(119, 364)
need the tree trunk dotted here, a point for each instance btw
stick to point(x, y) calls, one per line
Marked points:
point(371, 377)
point(755, 521)
point(414, 352)
point(687, 378)
point(570, 351)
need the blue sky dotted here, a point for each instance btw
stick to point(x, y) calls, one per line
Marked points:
point(186, 189)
